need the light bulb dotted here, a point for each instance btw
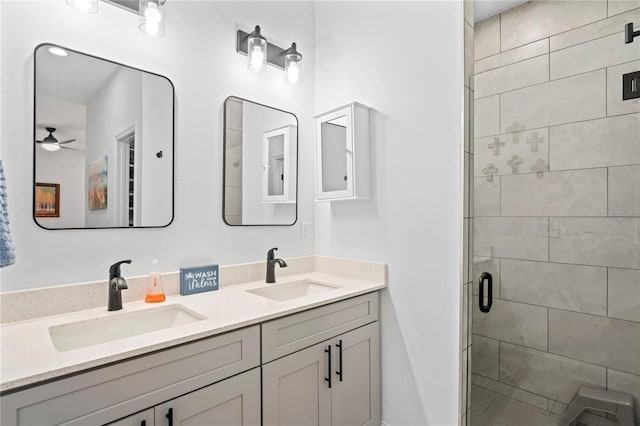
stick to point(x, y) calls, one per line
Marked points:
point(50, 147)
point(151, 28)
point(86, 6)
point(83, 5)
point(152, 14)
point(257, 59)
point(293, 73)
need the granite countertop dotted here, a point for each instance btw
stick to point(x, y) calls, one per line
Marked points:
point(28, 355)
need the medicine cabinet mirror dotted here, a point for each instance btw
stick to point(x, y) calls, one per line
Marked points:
point(260, 164)
point(103, 141)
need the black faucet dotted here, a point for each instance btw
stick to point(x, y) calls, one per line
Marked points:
point(271, 265)
point(116, 283)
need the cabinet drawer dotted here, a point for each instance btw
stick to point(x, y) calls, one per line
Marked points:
point(285, 335)
point(112, 392)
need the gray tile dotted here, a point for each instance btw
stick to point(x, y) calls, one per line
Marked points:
point(571, 287)
point(577, 98)
point(466, 185)
point(465, 257)
point(233, 138)
point(465, 378)
point(471, 121)
point(592, 55)
point(528, 150)
point(469, 11)
point(527, 51)
point(557, 407)
point(468, 118)
point(623, 382)
point(551, 17)
point(464, 330)
point(619, 6)
point(513, 322)
point(511, 392)
point(510, 77)
point(603, 341)
point(486, 200)
point(490, 265)
point(233, 169)
point(485, 356)
point(469, 182)
point(572, 193)
point(468, 53)
point(545, 374)
point(593, 31)
point(611, 242)
point(624, 294)
point(234, 114)
point(511, 237)
point(580, 145)
point(624, 191)
point(615, 104)
point(486, 117)
point(481, 399)
point(487, 37)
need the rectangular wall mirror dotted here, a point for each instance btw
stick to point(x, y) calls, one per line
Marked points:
point(260, 164)
point(104, 136)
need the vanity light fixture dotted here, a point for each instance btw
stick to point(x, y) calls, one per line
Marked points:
point(85, 6)
point(152, 17)
point(260, 53)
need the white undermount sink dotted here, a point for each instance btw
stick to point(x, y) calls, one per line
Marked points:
point(81, 334)
point(293, 290)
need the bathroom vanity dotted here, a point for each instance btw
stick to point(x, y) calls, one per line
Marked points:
point(304, 350)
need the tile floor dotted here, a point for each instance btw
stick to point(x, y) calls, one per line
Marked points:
point(491, 409)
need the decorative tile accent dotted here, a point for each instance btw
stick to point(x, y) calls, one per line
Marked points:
point(507, 146)
point(577, 98)
point(514, 162)
point(485, 356)
point(534, 140)
point(511, 237)
point(624, 294)
point(602, 341)
point(571, 287)
point(615, 104)
point(593, 31)
point(520, 74)
point(551, 376)
point(486, 201)
point(486, 116)
point(573, 193)
point(550, 17)
point(512, 322)
point(593, 241)
point(592, 55)
point(487, 37)
point(624, 191)
point(539, 167)
point(489, 171)
point(527, 51)
point(579, 145)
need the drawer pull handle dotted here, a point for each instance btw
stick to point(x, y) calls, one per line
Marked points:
point(327, 379)
point(339, 371)
point(169, 416)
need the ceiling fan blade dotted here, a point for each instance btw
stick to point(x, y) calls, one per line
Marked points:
point(41, 142)
point(72, 149)
point(67, 141)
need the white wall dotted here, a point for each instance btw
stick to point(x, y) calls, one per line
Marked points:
point(255, 121)
point(198, 55)
point(403, 59)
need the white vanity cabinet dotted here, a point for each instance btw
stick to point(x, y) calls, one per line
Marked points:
point(114, 392)
point(343, 154)
point(335, 381)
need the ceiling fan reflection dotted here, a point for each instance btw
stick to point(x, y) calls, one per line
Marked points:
point(50, 143)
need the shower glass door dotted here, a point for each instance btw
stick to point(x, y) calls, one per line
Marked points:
point(556, 217)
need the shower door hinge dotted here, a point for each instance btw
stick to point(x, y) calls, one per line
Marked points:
point(629, 34)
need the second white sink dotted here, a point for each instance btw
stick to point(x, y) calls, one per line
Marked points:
point(81, 334)
point(293, 290)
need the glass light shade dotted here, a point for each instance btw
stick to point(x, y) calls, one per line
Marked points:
point(152, 18)
point(292, 64)
point(86, 6)
point(50, 146)
point(257, 51)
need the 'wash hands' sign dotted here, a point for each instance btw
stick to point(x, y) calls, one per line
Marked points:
point(198, 279)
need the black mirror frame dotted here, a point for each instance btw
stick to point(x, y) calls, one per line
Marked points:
point(173, 140)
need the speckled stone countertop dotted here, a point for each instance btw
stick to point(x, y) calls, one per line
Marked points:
point(28, 355)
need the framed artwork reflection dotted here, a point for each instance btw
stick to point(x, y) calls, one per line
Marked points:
point(47, 199)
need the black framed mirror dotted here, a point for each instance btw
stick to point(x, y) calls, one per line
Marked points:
point(103, 139)
point(260, 178)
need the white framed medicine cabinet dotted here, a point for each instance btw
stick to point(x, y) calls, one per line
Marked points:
point(342, 154)
point(278, 161)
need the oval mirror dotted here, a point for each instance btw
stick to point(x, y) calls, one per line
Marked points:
point(103, 143)
point(260, 164)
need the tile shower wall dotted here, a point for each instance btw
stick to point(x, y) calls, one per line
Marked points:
point(557, 202)
point(233, 170)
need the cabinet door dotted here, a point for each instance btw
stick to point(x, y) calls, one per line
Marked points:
point(334, 151)
point(294, 389)
point(143, 418)
point(355, 398)
point(231, 402)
